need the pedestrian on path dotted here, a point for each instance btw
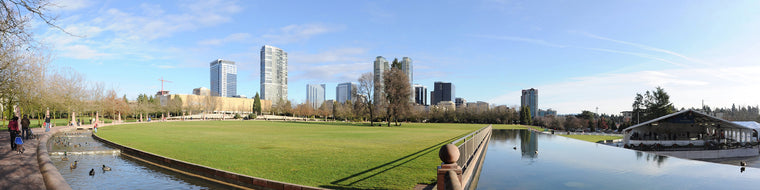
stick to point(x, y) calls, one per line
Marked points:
point(47, 123)
point(13, 129)
point(26, 132)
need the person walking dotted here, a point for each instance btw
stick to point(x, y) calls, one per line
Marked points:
point(47, 123)
point(26, 131)
point(13, 129)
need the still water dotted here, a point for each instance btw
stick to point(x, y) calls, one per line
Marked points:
point(521, 159)
point(126, 173)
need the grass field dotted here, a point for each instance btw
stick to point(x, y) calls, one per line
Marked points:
point(592, 138)
point(330, 155)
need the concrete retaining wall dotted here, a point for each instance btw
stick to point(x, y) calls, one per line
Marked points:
point(215, 174)
point(53, 178)
point(472, 174)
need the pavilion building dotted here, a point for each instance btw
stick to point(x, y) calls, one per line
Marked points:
point(694, 135)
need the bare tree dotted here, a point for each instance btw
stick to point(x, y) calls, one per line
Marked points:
point(366, 93)
point(210, 103)
point(397, 92)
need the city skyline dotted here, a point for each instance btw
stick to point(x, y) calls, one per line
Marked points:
point(492, 50)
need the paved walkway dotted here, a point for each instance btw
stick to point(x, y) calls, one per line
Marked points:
point(20, 171)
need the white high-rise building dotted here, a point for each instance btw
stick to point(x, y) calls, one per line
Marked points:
point(406, 66)
point(381, 65)
point(274, 74)
point(345, 92)
point(223, 78)
point(315, 94)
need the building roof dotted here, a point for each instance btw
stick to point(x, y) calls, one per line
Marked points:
point(697, 117)
point(749, 124)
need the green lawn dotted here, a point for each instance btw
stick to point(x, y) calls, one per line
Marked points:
point(592, 138)
point(330, 155)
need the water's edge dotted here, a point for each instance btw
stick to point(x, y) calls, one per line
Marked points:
point(206, 173)
point(53, 179)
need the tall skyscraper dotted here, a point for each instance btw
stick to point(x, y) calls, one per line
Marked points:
point(420, 94)
point(274, 74)
point(381, 65)
point(345, 92)
point(408, 69)
point(530, 98)
point(443, 91)
point(223, 78)
point(315, 94)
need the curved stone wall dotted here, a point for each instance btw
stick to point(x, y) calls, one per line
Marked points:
point(207, 172)
point(53, 178)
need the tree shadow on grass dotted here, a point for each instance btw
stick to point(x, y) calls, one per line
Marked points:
point(347, 182)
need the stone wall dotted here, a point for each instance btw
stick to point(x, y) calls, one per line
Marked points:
point(215, 174)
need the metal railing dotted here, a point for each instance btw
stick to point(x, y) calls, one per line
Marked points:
point(469, 144)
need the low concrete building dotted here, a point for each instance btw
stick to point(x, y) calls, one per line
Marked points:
point(447, 105)
point(202, 91)
point(196, 103)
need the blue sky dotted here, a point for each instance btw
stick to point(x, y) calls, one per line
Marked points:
point(579, 54)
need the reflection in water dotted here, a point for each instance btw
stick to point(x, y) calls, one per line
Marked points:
point(659, 159)
point(572, 164)
point(126, 173)
point(528, 141)
point(528, 144)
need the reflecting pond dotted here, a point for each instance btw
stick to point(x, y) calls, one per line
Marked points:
point(522, 159)
point(126, 173)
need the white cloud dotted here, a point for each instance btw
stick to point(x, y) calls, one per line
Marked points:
point(338, 65)
point(298, 33)
point(68, 5)
point(645, 47)
point(236, 37)
point(82, 52)
point(613, 93)
point(522, 39)
point(152, 22)
point(642, 55)
point(220, 10)
point(329, 72)
point(129, 34)
point(330, 56)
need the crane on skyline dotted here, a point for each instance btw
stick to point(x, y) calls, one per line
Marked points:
point(162, 85)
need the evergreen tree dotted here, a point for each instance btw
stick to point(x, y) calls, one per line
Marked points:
point(652, 104)
point(257, 104)
point(525, 117)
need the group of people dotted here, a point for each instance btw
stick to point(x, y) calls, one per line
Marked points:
point(16, 128)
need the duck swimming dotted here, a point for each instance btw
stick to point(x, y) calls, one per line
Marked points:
point(106, 168)
point(92, 172)
point(74, 165)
